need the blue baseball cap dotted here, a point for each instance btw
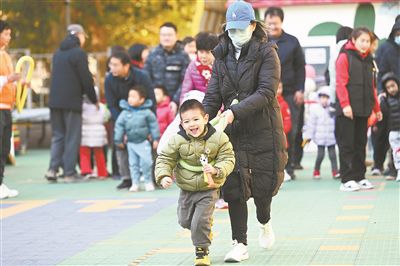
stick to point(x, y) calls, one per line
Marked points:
point(239, 15)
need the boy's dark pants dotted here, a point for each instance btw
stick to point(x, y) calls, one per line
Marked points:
point(195, 210)
point(380, 143)
point(5, 139)
point(351, 137)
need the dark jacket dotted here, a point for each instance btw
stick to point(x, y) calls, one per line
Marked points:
point(117, 89)
point(168, 69)
point(293, 72)
point(388, 56)
point(70, 77)
point(390, 105)
point(257, 131)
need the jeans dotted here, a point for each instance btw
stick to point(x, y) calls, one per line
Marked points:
point(140, 158)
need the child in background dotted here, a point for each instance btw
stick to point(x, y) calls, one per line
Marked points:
point(137, 122)
point(94, 138)
point(189, 46)
point(390, 106)
point(164, 114)
point(320, 128)
point(196, 138)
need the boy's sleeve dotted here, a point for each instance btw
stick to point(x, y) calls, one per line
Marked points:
point(153, 125)
point(119, 128)
point(225, 160)
point(166, 160)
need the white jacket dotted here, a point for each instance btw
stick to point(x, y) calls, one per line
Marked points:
point(94, 133)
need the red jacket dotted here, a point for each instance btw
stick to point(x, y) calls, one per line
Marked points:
point(342, 78)
point(285, 111)
point(164, 115)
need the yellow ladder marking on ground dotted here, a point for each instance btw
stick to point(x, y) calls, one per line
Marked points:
point(339, 248)
point(20, 206)
point(346, 231)
point(107, 205)
point(353, 218)
point(357, 207)
point(139, 260)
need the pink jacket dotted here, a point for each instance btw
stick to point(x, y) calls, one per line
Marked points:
point(164, 115)
point(192, 80)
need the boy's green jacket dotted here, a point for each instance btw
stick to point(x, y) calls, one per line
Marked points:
point(214, 144)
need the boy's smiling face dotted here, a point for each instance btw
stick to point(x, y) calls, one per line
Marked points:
point(391, 87)
point(194, 122)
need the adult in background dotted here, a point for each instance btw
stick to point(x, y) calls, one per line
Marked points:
point(122, 77)
point(138, 54)
point(292, 76)
point(167, 63)
point(246, 68)
point(70, 79)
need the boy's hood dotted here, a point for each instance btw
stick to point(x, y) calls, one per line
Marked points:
point(125, 105)
point(390, 76)
point(396, 27)
point(210, 130)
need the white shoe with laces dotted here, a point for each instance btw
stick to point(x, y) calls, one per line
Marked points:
point(266, 238)
point(365, 184)
point(350, 186)
point(238, 253)
point(149, 187)
point(134, 188)
point(5, 192)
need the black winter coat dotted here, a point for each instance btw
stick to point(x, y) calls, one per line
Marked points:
point(257, 131)
point(70, 77)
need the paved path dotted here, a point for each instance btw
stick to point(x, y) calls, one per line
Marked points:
point(93, 224)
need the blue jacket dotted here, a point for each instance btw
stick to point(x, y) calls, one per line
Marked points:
point(117, 89)
point(168, 69)
point(137, 123)
point(293, 72)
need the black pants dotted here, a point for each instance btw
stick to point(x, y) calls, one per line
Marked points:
point(321, 155)
point(380, 143)
point(238, 215)
point(5, 139)
point(351, 137)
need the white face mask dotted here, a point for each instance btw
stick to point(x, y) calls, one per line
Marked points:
point(397, 40)
point(240, 37)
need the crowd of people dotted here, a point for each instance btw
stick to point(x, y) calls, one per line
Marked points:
point(252, 77)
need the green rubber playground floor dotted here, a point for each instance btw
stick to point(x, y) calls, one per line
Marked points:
point(94, 224)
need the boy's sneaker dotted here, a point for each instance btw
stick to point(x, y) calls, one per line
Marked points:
point(74, 179)
point(286, 177)
point(126, 183)
point(5, 192)
point(202, 258)
point(238, 253)
point(316, 174)
point(149, 187)
point(134, 188)
point(365, 184)
point(390, 178)
point(335, 174)
point(266, 238)
point(350, 186)
point(51, 176)
point(221, 204)
point(376, 172)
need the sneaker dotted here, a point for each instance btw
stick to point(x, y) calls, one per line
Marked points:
point(89, 176)
point(126, 183)
point(266, 238)
point(350, 186)
point(286, 177)
point(148, 187)
point(51, 176)
point(202, 258)
point(5, 192)
point(238, 253)
point(298, 166)
point(221, 204)
point(74, 179)
point(134, 188)
point(376, 172)
point(390, 178)
point(365, 184)
point(316, 174)
point(398, 176)
point(335, 174)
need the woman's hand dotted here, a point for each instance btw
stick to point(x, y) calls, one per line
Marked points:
point(379, 116)
point(228, 114)
point(166, 182)
point(348, 112)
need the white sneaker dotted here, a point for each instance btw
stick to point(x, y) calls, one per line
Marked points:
point(365, 184)
point(149, 187)
point(376, 172)
point(266, 238)
point(286, 177)
point(350, 186)
point(134, 188)
point(221, 204)
point(5, 192)
point(238, 253)
point(398, 176)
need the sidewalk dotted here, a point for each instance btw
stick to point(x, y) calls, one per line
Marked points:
point(93, 224)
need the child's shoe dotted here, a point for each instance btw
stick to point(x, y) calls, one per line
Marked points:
point(266, 237)
point(365, 184)
point(316, 174)
point(202, 258)
point(335, 174)
point(149, 187)
point(134, 188)
point(238, 253)
point(221, 204)
point(390, 178)
point(398, 176)
point(376, 172)
point(350, 186)
point(5, 192)
point(286, 177)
